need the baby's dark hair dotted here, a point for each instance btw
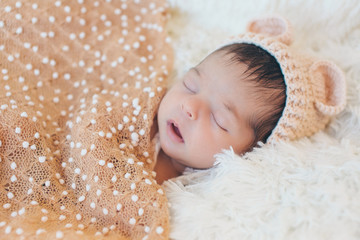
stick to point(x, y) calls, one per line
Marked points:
point(265, 72)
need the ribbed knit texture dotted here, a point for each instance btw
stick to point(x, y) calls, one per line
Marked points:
point(315, 89)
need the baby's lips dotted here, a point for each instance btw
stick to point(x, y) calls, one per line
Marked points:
point(175, 129)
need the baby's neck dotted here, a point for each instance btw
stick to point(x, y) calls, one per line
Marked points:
point(165, 168)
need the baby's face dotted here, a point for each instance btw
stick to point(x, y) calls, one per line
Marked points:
point(206, 112)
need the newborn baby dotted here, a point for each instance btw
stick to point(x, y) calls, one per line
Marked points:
point(234, 97)
point(254, 89)
point(83, 162)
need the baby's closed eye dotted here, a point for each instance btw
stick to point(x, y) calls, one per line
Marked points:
point(189, 85)
point(219, 122)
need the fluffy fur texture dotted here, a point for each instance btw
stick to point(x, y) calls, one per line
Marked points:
point(308, 189)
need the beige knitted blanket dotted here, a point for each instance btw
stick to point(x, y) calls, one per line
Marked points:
point(80, 84)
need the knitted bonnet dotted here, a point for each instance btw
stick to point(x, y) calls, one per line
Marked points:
point(315, 89)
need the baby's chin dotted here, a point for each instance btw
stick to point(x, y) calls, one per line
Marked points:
point(179, 167)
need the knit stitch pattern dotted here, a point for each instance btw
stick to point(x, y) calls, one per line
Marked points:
point(315, 89)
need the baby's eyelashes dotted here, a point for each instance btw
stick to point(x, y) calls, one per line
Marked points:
point(188, 87)
point(218, 124)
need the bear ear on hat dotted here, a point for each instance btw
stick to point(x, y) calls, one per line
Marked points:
point(273, 26)
point(329, 87)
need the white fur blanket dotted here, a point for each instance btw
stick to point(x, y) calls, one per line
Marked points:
point(309, 189)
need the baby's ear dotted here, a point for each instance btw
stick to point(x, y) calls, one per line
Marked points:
point(330, 87)
point(274, 26)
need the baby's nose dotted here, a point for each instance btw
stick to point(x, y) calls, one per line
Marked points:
point(190, 115)
point(191, 108)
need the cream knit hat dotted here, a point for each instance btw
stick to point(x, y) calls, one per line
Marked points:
point(316, 90)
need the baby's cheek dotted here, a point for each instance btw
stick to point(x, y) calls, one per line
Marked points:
point(209, 152)
point(219, 144)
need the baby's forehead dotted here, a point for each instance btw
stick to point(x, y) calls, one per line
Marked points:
point(223, 56)
point(226, 62)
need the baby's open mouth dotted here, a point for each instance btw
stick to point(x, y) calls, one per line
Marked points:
point(176, 131)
